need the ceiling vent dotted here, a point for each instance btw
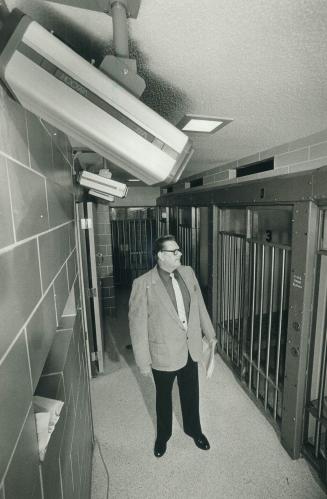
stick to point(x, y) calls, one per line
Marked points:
point(257, 167)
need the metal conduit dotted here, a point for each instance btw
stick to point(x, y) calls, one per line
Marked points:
point(222, 290)
point(132, 241)
point(142, 242)
point(228, 293)
point(272, 269)
point(233, 297)
point(222, 286)
point(240, 303)
point(189, 244)
point(128, 247)
point(186, 244)
point(260, 317)
point(254, 264)
point(116, 225)
point(151, 244)
point(280, 319)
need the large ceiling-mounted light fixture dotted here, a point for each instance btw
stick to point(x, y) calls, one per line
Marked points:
point(52, 81)
point(199, 124)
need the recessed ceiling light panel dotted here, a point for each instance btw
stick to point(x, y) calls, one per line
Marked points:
point(192, 123)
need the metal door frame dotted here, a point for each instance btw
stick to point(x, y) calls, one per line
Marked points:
point(83, 280)
point(299, 320)
point(95, 290)
point(89, 285)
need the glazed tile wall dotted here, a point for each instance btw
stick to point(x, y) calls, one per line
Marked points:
point(38, 269)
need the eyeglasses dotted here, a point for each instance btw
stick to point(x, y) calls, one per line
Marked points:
point(175, 251)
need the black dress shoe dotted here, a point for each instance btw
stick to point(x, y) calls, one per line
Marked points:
point(202, 442)
point(160, 448)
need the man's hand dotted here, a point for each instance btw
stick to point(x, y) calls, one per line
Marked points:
point(146, 371)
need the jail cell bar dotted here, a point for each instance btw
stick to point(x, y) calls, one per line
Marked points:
point(231, 294)
point(252, 313)
point(188, 227)
point(264, 340)
point(315, 432)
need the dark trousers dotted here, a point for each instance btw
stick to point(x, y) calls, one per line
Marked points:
point(188, 385)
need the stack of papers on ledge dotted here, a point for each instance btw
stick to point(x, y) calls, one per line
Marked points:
point(47, 412)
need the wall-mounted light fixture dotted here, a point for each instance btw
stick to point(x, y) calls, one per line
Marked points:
point(194, 123)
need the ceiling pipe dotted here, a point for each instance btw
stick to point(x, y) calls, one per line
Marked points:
point(120, 67)
point(120, 28)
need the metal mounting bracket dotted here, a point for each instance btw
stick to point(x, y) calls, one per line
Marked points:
point(120, 67)
point(132, 7)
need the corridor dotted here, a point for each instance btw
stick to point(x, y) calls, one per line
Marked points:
point(246, 459)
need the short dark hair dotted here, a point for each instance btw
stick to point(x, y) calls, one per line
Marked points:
point(160, 242)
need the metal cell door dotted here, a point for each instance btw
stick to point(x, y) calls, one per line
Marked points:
point(253, 275)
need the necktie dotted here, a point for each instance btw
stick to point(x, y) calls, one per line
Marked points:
point(179, 301)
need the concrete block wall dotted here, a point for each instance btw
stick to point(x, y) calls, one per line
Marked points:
point(303, 154)
point(103, 244)
point(37, 271)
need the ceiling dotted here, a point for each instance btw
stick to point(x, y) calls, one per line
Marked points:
point(262, 63)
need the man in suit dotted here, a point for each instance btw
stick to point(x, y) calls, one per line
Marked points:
point(166, 316)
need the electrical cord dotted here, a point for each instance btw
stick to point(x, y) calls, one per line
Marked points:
point(104, 464)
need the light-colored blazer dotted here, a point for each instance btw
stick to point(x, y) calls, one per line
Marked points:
point(158, 336)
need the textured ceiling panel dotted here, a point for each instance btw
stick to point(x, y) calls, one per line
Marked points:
point(262, 63)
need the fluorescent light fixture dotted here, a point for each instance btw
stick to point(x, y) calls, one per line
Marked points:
point(102, 184)
point(192, 123)
point(101, 195)
point(201, 125)
point(133, 180)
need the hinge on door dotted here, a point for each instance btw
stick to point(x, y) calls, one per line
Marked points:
point(94, 356)
point(86, 223)
point(92, 292)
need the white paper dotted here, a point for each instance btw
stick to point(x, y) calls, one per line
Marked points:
point(208, 356)
point(47, 412)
